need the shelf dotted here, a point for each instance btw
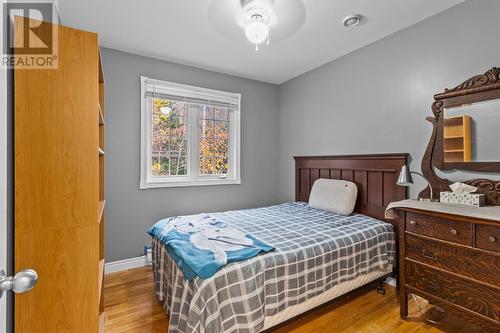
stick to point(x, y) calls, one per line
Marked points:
point(101, 117)
point(454, 151)
point(101, 210)
point(101, 152)
point(454, 121)
point(101, 277)
point(101, 74)
point(101, 322)
point(454, 137)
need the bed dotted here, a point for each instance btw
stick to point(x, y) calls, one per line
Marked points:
point(318, 255)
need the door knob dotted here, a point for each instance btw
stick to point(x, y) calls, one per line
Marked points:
point(21, 282)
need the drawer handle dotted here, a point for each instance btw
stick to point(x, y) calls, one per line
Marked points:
point(429, 255)
point(413, 222)
point(492, 239)
point(454, 231)
point(430, 284)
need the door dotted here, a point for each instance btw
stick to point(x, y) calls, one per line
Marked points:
point(56, 188)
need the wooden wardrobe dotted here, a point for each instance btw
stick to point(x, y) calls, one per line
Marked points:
point(59, 187)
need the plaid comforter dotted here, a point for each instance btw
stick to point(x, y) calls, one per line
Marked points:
point(315, 251)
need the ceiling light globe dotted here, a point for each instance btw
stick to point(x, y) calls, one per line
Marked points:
point(257, 32)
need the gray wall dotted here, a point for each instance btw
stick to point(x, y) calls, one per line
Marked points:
point(375, 99)
point(130, 211)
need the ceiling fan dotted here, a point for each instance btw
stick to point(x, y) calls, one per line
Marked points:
point(257, 20)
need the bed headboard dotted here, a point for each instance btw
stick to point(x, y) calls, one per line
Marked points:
point(375, 175)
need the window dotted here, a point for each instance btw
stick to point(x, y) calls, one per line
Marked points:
point(189, 136)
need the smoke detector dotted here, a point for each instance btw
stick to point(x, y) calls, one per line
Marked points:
point(352, 20)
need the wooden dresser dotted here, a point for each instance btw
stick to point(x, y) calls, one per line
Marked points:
point(453, 261)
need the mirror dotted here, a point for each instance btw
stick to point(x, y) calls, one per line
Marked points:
point(466, 135)
point(471, 132)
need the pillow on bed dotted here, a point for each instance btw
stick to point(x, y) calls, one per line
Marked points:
point(336, 196)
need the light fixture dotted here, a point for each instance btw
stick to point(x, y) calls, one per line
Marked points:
point(256, 31)
point(352, 20)
point(405, 179)
point(257, 18)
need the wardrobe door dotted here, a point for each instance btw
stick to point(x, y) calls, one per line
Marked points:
point(56, 172)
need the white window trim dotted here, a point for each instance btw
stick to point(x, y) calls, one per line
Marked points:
point(146, 181)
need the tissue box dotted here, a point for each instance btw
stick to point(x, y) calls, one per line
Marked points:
point(469, 199)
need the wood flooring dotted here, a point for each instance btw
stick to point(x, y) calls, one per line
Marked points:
point(131, 306)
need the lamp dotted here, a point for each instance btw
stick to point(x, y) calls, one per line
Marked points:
point(405, 179)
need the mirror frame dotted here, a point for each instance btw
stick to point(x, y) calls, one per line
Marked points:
point(479, 88)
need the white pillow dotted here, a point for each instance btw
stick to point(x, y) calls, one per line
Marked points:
point(336, 196)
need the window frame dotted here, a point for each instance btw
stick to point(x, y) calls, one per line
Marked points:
point(148, 181)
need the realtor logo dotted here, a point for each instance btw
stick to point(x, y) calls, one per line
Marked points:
point(29, 39)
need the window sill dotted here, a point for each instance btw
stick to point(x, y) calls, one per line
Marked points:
point(143, 185)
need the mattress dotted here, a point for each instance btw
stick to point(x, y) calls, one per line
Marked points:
point(337, 291)
point(316, 251)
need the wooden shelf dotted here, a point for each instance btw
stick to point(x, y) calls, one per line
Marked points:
point(457, 139)
point(101, 117)
point(454, 121)
point(102, 202)
point(101, 210)
point(101, 322)
point(101, 277)
point(101, 74)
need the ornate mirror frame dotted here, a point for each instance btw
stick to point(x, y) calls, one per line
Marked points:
point(479, 88)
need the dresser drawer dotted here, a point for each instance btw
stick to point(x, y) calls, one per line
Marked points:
point(473, 296)
point(488, 237)
point(458, 259)
point(452, 231)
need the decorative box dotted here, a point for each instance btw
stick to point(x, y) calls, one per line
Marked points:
point(469, 199)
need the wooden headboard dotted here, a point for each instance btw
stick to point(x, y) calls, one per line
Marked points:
point(375, 175)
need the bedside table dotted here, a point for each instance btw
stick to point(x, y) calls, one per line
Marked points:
point(450, 255)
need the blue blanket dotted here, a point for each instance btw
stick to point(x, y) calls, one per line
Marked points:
point(194, 261)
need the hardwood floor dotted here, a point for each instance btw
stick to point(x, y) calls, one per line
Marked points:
point(131, 306)
point(130, 303)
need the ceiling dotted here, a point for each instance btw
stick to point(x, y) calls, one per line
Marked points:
point(204, 33)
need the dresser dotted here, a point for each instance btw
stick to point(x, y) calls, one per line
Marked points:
point(450, 256)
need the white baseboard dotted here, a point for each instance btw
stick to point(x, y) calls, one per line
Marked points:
point(123, 265)
point(391, 281)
